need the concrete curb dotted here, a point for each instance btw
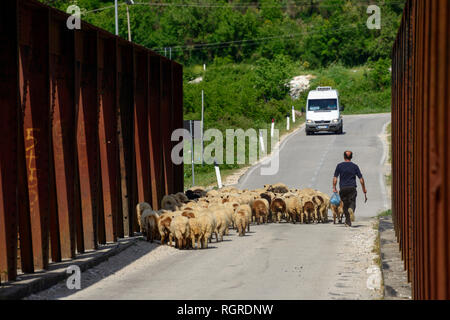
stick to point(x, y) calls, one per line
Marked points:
point(396, 286)
point(31, 283)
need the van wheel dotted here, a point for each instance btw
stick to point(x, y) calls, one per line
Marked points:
point(308, 133)
point(341, 130)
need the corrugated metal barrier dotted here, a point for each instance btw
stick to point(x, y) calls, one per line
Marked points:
point(86, 119)
point(420, 146)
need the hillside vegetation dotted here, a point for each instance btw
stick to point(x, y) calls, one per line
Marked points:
point(253, 48)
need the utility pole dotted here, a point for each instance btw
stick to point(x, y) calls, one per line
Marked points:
point(116, 17)
point(128, 19)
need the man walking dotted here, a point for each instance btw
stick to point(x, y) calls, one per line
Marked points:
point(347, 172)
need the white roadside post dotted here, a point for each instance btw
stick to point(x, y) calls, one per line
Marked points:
point(201, 126)
point(261, 142)
point(219, 179)
point(293, 114)
point(192, 154)
point(204, 67)
point(272, 128)
point(287, 123)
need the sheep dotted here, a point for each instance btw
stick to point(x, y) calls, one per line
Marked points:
point(196, 231)
point(229, 210)
point(310, 198)
point(267, 195)
point(164, 222)
point(212, 193)
point(222, 222)
point(208, 225)
point(140, 207)
point(180, 231)
point(260, 210)
point(181, 197)
point(323, 210)
point(241, 221)
point(191, 195)
point(278, 208)
point(149, 224)
point(308, 212)
point(248, 213)
point(169, 202)
point(277, 188)
point(294, 209)
point(338, 212)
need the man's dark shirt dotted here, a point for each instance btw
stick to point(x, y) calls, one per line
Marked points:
point(347, 171)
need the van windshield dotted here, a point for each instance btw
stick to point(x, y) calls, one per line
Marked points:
point(322, 104)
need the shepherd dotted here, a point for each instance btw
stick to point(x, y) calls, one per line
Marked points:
point(347, 172)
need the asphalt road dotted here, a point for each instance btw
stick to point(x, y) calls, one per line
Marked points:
point(275, 261)
point(310, 161)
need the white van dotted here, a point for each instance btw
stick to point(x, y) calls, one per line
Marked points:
point(323, 111)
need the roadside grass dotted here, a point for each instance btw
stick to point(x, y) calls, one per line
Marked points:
point(356, 91)
point(388, 177)
point(386, 213)
point(206, 176)
point(377, 251)
point(233, 101)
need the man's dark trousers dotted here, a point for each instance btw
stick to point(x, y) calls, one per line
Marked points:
point(348, 197)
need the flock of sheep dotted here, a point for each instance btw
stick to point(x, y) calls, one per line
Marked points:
point(191, 219)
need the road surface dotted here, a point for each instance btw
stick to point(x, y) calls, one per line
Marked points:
point(275, 261)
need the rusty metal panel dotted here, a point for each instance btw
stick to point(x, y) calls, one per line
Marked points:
point(34, 95)
point(166, 125)
point(86, 128)
point(63, 130)
point(420, 137)
point(8, 141)
point(109, 152)
point(155, 137)
point(178, 120)
point(125, 129)
point(89, 118)
point(141, 133)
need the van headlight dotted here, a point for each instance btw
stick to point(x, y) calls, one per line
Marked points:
point(309, 121)
point(335, 121)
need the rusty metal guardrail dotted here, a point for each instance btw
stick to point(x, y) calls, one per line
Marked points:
point(420, 146)
point(86, 119)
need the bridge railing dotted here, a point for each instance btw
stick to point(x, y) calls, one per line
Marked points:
point(420, 146)
point(86, 120)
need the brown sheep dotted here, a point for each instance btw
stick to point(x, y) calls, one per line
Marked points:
point(164, 222)
point(278, 208)
point(338, 212)
point(149, 224)
point(308, 212)
point(260, 210)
